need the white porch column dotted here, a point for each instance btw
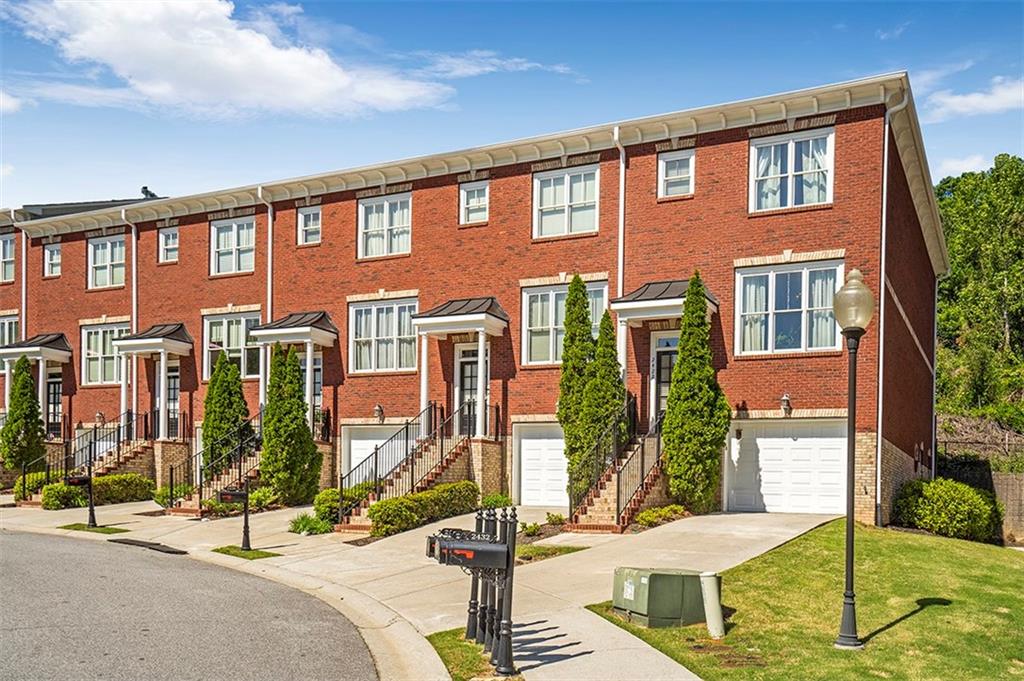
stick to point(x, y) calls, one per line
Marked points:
point(7, 384)
point(264, 373)
point(123, 359)
point(481, 383)
point(163, 394)
point(41, 387)
point(620, 345)
point(309, 383)
point(423, 371)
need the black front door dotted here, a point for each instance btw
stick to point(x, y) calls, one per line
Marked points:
point(54, 410)
point(467, 383)
point(664, 362)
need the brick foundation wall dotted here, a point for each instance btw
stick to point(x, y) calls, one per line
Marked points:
point(328, 464)
point(897, 468)
point(166, 454)
point(487, 466)
point(141, 461)
point(461, 469)
point(864, 478)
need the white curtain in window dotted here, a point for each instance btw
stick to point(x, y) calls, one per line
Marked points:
point(821, 287)
point(539, 315)
point(755, 314)
point(771, 166)
point(811, 164)
point(373, 229)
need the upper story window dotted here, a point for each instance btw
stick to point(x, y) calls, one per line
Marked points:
point(474, 202)
point(675, 173)
point(787, 308)
point(230, 334)
point(100, 363)
point(565, 201)
point(791, 170)
point(168, 245)
point(51, 260)
point(544, 315)
point(382, 337)
point(385, 225)
point(309, 225)
point(106, 261)
point(7, 258)
point(9, 330)
point(233, 245)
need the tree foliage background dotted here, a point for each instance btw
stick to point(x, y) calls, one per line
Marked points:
point(980, 356)
point(21, 440)
point(224, 411)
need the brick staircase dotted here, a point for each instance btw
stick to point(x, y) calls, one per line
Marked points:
point(136, 457)
point(189, 505)
point(446, 471)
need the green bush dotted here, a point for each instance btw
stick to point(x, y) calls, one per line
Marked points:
point(121, 488)
point(530, 529)
point(653, 517)
point(309, 524)
point(949, 508)
point(162, 495)
point(495, 500)
point(33, 483)
point(58, 495)
point(22, 435)
point(392, 516)
point(555, 519)
point(326, 502)
point(217, 509)
point(262, 498)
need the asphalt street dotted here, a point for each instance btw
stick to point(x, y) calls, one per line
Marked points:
point(80, 609)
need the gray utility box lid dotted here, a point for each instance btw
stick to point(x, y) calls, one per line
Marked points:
point(656, 597)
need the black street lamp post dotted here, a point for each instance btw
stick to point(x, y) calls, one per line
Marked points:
point(853, 306)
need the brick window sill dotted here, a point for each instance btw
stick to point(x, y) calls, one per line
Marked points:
point(380, 374)
point(231, 275)
point(380, 258)
point(471, 225)
point(564, 237)
point(103, 289)
point(673, 199)
point(788, 355)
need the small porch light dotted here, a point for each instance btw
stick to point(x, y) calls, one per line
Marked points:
point(787, 404)
point(378, 413)
point(100, 418)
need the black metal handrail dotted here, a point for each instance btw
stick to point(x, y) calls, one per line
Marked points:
point(177, 425)
point(186, 475)
point(108, 442)
point(605, 452)
point(231, 468)
point(368, 475)
point(54, 466)
point(637, 466)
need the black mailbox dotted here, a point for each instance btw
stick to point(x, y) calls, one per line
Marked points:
point(232, 496)
point(78, 480)
point(472, 554)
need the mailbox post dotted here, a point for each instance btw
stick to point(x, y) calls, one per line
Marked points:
point(474, 587)
point(233, 496)
point(79, 480)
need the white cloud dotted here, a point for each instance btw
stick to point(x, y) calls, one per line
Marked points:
point(6, 169)
point(9, 103)
point(480, 62)
point(1004, 94)
point(196, 58)
point(892, 33)
point(926, 80)
point(959, 166)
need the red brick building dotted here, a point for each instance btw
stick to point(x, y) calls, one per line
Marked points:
point(408, 269)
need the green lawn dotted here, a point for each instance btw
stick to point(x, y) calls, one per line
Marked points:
point(82, 527)
point(237, 552)
point(928, 608)
point(531, 553)
point(464, 659)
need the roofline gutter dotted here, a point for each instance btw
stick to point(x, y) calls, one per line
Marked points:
point(135, 306)
point(881, 303)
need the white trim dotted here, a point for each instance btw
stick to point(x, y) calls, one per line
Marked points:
point(652, 362)
point(771, 271)
point(442, 326)
point(49, 261)
point(294, 335)
point(161, 244)
point(205, 350)
point(235, 250)
point(4, 240)
point(677, 155)
point(472, 186)
point(375, 305)
point(109, 265)
point(124, 328)
point(300, 227)
point(457, 400)
point(386, 199)
point(566, 173)
point(525, 324)
point(12, 323)
point(790, 139)
point(148, 346)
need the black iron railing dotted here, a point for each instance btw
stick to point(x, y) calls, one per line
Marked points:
point(178, 426)
point(233, 466)
point(53, 466)
point(58, 429)
point(105, 444)
point(367, 476)
point(184, 478)
point(638, 465)
point(322, 429)
point(610, 444)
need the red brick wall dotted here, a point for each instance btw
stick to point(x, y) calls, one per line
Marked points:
point(10, 293)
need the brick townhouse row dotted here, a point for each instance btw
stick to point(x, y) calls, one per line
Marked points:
point(392, 280)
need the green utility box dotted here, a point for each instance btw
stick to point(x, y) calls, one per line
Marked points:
point(659, 598)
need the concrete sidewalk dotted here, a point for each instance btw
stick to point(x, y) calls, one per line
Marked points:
point(395, 595)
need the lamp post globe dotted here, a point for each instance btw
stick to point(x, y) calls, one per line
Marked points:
point(853, 306)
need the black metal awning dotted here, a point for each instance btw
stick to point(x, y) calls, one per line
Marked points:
point(662, 290)
point(300, 320)
point(174, 332)
point(464, 307)
point(49, 341)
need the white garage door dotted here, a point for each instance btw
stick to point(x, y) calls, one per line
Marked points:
point(359, 442)
point(791, 467)
point(543, 475)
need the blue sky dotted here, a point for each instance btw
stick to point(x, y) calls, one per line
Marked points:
point(98, 99)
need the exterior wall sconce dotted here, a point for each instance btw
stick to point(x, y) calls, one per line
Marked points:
point(739, 433)
point(787, 404)
point(100, 418)
point(378, 413)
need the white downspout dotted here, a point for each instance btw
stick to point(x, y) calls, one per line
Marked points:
point(265, 353)
point(621, 248)
point(135, 307)
point(24, 282)
point(881, 305)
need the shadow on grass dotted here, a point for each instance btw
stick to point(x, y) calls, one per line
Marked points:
point(922, 603)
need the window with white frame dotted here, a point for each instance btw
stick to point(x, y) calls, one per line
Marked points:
point(100, 361)
point(565, 201)
point(51, 260)
point(233, 245)
point(168, 244)
point(382, 337)
point(9, 330)
point(544, 315)
point(675, 173)
point(787, 308)
point(229, 334)
point(309, 225)
point(792, 170)
point(385, 225)
point(106, 261)
point(7, 257)
point(474, 202)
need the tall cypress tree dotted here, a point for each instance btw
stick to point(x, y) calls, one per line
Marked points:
point(224, 411)
point(577, 353)
point(290, 463)
point(22, 437)
point(697, 416)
